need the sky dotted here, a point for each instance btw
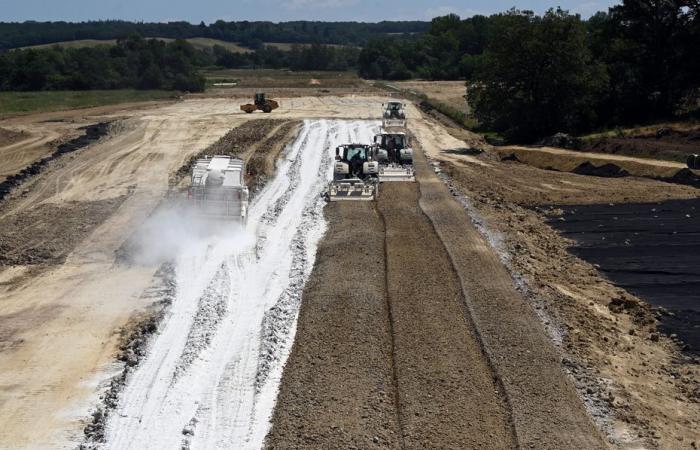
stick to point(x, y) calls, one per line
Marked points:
point(282, 10)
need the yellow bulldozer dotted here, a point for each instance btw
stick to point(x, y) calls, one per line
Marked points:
point(260, 103)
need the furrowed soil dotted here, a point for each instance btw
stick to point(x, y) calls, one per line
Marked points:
point(338, 388)
point(473, 367)
point(642, 392)
point(448, 396)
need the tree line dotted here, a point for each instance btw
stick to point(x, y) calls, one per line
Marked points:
point(15, 35)
point(530, 76)
point(152, 64)
point(131, 63)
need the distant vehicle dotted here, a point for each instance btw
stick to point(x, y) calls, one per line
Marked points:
point(693, 161)
point(217, 188)
point(260, 103)
point(355, 173)
point(394, 115)
point(395, 157)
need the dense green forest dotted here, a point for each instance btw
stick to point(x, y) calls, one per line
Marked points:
point(132, 63)
point(251, 34)
point(530, 76)
point(151, 64)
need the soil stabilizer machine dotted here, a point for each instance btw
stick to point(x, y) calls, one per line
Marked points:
point(354, 174)
point(394, 115)
point(395, 157)
point(260, 103)
point(217, 188)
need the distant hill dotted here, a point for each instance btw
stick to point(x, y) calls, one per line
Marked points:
point(247, 34)
point(198, 43)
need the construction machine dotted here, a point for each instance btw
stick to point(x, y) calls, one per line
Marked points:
point(394, 115)
point(217, 188)
point(260, 103)
point(395, 157)
point(354, 173)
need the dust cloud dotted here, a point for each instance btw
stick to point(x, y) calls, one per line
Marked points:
point(174, 228)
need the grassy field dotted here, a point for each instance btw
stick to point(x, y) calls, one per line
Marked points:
point(200, 43)
point(268, 78)
point(16, 103)
point(285, 46)
point(446, 97)
point(450, 93)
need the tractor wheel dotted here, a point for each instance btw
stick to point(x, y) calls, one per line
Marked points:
point(267, 109)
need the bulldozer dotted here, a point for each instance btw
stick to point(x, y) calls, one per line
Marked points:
point(217, 189)
point(394, 115)
point(260, 103)
point(395, 157)
point(354, 173)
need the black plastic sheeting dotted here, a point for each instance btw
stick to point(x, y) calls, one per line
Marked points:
point(652, 250)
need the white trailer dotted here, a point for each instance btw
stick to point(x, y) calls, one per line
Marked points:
point(217, 188)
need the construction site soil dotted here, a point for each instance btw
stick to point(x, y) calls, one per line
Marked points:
point(448, 314)
point(669, 143)
point(472, 367)
point(637, 385)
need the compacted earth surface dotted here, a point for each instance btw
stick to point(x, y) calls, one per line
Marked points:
point(637, 381)
point(448, 313)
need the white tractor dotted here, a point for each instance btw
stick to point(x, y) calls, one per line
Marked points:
point(354, 173)
point(217, 188)
point(394, 115)
point(395, 157)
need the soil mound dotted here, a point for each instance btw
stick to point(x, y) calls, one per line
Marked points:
point(8, 137)
point(685, 176)
point(606, 170)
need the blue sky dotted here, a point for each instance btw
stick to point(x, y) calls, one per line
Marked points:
point(211, 10)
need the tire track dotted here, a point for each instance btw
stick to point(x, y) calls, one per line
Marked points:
point(447, 393)
point(546, 409)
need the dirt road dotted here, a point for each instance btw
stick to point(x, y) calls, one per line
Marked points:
point(338, 386)
point(472, 366)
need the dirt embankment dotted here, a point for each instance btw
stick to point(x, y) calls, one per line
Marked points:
point(669, 143)
point(240, 142)
point(91, 133)
point(642, 392)
point(9, 137)
point(259, 142)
